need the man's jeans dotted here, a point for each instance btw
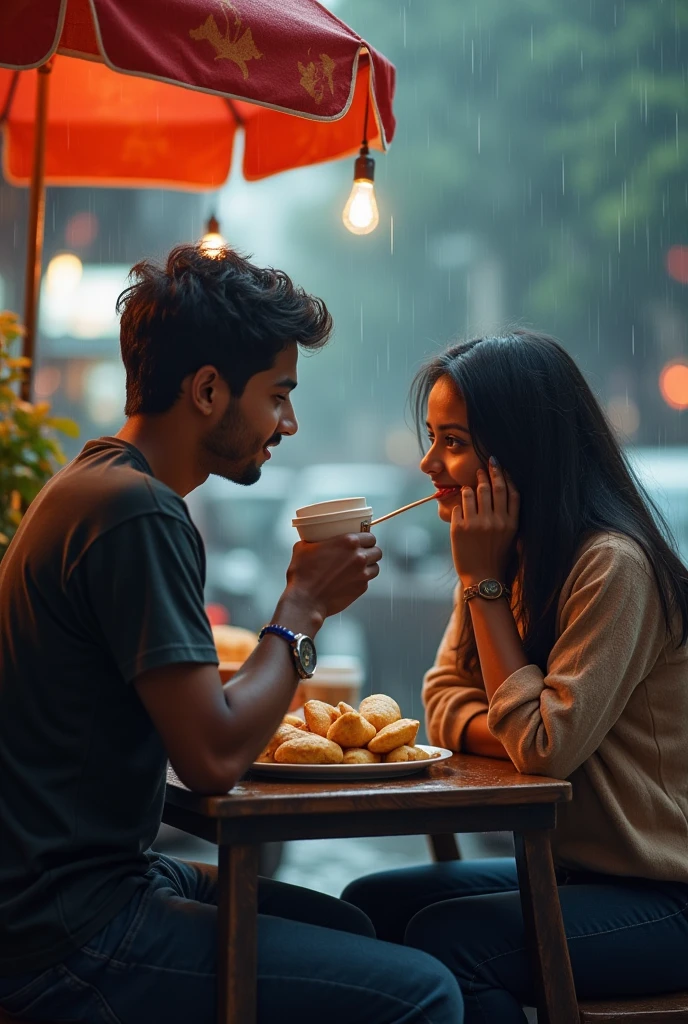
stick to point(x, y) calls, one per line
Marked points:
point(625, 936)
point(156, 961)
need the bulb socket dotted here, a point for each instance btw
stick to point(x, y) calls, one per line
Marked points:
point(213, 225)
point(364, 168)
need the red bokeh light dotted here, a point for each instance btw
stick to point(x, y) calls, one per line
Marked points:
point(217, 614)
point(677, 263)
point(81, 230)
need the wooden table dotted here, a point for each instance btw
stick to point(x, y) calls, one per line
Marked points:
point(463, 794)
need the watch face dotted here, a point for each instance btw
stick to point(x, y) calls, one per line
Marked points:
point(306, 653)
point(490, 589)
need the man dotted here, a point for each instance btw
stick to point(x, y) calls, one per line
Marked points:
point(108, 668)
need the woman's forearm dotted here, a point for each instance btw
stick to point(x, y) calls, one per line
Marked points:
point(498, 641)
point(477, 739)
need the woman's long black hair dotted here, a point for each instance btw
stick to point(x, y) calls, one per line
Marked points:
point(529, 405)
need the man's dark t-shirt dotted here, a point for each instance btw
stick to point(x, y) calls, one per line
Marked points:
point(103, 581)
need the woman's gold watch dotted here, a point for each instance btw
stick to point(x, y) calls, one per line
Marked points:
point(491, 590)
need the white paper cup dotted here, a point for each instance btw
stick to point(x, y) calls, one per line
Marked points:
point(324, 507)
point(337, 677)
point(333, 524)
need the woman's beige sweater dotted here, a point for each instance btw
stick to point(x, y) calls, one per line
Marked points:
point(610, 715)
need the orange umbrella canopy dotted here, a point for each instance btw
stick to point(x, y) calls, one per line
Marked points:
point(144, 93)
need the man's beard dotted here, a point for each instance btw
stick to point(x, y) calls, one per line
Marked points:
point(231, 443)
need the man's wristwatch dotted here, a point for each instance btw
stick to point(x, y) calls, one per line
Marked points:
point(491, 590)
point(302, 648)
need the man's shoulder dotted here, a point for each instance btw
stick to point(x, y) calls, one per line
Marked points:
point(113, 482)
point(105, 487)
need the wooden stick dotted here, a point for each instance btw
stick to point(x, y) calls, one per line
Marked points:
point(34, 248)
point(404, 509)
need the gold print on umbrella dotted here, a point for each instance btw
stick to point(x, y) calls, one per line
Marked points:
point(235, 45)
point(315, 77)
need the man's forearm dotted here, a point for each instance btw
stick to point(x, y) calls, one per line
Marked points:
point(260, 693)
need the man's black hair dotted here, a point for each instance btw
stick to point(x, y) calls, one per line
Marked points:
point(199, 310)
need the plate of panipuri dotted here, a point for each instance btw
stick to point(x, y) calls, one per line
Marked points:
point(373, 741)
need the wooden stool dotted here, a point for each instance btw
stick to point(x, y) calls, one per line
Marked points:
point(669, 1009)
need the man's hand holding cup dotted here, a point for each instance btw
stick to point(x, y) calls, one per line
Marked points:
point(330, 575)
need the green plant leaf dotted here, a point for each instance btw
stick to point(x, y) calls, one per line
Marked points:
point(64, 425)
point(29, 453)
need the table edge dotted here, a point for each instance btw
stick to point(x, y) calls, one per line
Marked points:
point(228, 805)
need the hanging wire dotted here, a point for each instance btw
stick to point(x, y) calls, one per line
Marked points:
point(364, 142)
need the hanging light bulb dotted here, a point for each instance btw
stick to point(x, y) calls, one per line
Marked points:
point(213, 243)
point(361, 215)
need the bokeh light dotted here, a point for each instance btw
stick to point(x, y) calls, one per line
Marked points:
point(63, 274)
point(401, 447)
point(673, 384)
point(47, 381)
point(624, 415)
point(104, 392)
point(677, 263)
point(81, 230)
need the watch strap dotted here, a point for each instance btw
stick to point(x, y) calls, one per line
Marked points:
point(286, 634)
point(295, 641)
point(475, 591)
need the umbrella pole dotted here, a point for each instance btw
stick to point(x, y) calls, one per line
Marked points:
point(34, 249)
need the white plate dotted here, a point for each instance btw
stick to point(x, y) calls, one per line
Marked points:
point(350, 772)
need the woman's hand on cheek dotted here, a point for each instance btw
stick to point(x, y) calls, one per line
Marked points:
point(483, 527)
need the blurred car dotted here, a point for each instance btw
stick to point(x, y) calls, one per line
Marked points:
point(245, 568)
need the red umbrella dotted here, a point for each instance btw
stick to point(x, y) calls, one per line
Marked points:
point(136, 100)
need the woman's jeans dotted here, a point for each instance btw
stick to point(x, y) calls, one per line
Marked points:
point(156, 961)
point(626, 936)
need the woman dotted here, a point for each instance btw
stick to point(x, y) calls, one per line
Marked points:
point(571, 659)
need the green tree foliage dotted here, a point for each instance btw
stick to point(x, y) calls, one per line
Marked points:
point(552, 134)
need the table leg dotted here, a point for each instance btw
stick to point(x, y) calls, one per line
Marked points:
point(237, 943)
point(544, 928)
point(444, 846)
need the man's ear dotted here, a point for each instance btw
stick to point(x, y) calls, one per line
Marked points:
point(207, 391)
